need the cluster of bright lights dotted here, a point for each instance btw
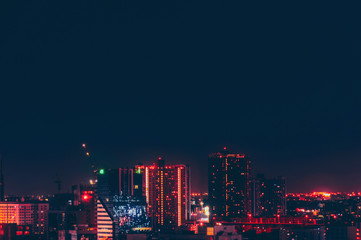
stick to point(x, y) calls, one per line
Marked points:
point(203, 214)
point(323, 195)
point(130, 212)
point(125, 199)
point(87, 195)
point(199, 194)
point(131, 216)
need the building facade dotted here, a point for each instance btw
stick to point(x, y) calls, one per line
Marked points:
point(167, 191)
point(34, 215)
point(229, 184)
point(269, 196)
point(120, 207)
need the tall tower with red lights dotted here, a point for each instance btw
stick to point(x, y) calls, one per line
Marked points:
point(2, 196)
point(167, 190)
point(229, 184)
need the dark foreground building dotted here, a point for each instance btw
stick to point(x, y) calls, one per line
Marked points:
point(269, 196)
point(229, 184)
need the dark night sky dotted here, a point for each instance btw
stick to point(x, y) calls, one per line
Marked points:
point(279, 81)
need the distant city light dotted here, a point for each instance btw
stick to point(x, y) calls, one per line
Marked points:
point(206, 211)
point(101, 171)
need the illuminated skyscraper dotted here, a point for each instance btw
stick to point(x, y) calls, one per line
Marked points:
point(229, 184)
point(167, 190)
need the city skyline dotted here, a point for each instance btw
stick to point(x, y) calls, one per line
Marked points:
point(87, 159)
point(180, 120)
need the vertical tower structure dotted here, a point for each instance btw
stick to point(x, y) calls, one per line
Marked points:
point(167, 191)
point(229, 184)
point(269, 196)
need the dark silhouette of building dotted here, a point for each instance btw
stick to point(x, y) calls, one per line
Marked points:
point(342, 233)
point(85, 201)
point(229, 184)
point(117, 181)
point(269, 196)
point(8, 231)
point(303, 232)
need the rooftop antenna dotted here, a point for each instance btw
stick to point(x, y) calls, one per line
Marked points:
point(58, 181)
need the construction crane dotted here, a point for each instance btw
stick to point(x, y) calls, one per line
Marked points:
point(91, 160)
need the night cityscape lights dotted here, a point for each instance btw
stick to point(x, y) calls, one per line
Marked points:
point(180, 120)
point(155, 201)
point(131, 213)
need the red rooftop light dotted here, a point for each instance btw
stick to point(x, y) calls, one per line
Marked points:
point(86, 197)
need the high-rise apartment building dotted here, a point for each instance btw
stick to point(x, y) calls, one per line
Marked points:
point(269, 196)
point(32, 214)
point(229, 184)
point(167, 191)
